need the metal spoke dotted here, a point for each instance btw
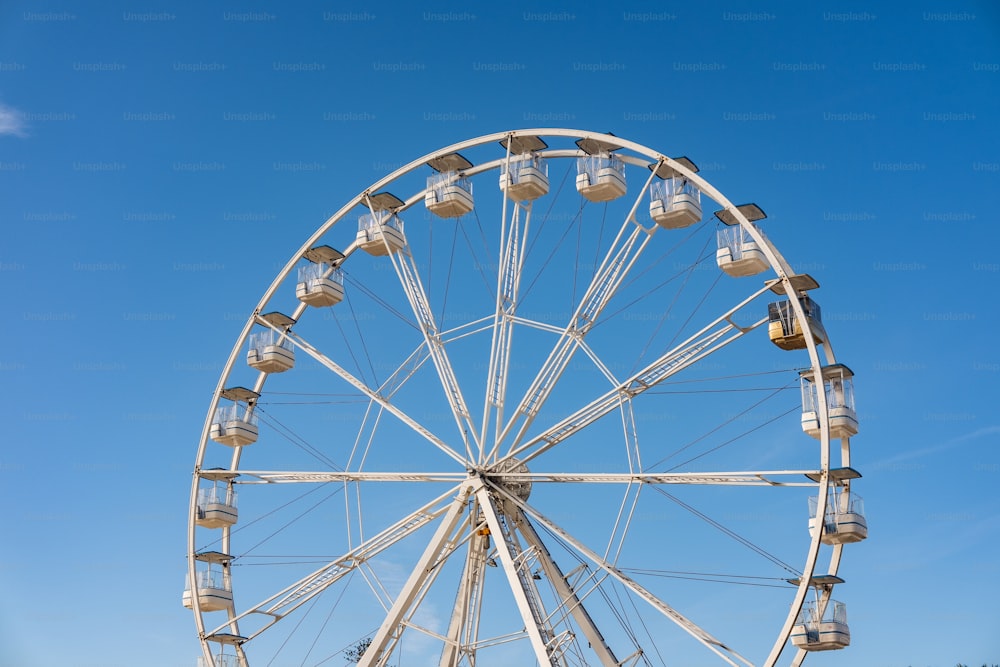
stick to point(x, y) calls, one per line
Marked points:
point(290, 598)
point(567, 594)
point(322, 477)
point(463, 629)
point(736, 478)
point(344, 374)
point(513, 247)
point(716, 335)
point(423, 571)
point(696, 631)
point(619, 260)
point(406, 370)
point(717, 478)
point(409, 279)
point(544, 642)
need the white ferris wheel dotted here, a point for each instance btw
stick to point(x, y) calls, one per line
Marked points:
point(579, 410)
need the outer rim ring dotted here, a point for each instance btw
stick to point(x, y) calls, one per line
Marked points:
point(777, 262)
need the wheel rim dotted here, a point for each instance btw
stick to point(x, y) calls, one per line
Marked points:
point(413, 392)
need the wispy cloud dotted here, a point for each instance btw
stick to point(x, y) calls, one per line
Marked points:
point(12, 122)
point(949, 444)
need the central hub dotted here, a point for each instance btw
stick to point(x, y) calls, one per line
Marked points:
point(510, 474)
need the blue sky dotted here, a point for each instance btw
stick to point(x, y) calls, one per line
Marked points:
point(160, 163)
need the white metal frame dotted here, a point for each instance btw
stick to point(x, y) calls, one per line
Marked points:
point(502, 435)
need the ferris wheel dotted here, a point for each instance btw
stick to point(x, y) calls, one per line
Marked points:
point(577, 410)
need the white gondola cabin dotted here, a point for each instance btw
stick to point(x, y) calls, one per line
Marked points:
point(784, 328)
point(526, 178)
point(234, 425)
point(270, 352)
point(738, 253)
point(380, 233)
point(216, 502)
point(817, 631)
point(213, 585)
point(674, 203)
point(448, 195)
point(220, 660)
point(321, 282)
point(320, 285)
point(844, 521)
point(600, 177)
point(838, 387)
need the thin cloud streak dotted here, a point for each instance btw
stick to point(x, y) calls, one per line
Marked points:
point(12, 122)
point(954, 442)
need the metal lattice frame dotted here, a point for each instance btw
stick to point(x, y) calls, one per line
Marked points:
point(481, 520)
